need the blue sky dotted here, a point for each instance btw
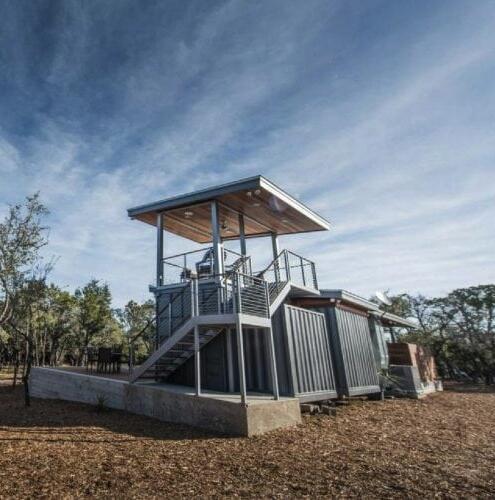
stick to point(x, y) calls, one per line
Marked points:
point(380, 115)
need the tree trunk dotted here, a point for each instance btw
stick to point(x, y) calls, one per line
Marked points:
point(25, 378)
point(16, 369)
point(25, 360)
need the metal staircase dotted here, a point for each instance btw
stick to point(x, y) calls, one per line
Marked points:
point(179, 354)
point(203, 308)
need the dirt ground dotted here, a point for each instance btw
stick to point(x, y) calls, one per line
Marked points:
point(443, 445)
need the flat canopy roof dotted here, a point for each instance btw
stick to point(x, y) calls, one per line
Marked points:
point(266, 209)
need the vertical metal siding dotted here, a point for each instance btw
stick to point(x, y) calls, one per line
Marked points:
point(309, 354)
point(281, 353)
point(352, 352)
point(255, 352)
point(358, 372)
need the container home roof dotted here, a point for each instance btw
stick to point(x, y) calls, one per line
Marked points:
point(266, 209)
point(351, 299)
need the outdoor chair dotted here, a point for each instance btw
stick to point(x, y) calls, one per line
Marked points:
point(91, 358)
point(116, 359)
point(104, 359)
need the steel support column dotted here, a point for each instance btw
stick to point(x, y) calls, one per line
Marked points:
point(273, 364)
point(240, 358)
point(242, 235)
point(197, 352)
point(275, 248)
point(276, 251)
point(240, 341)
point(159, 249)
point(217, 243)
point(159, 272)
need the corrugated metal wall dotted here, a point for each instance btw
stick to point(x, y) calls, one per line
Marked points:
point(319, 353)
point(353, 356)
point(310, 360)
point(281, 353)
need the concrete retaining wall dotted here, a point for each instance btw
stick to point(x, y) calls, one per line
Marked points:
point(226, 417)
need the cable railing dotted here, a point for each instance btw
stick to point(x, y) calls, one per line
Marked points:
point(233, 292)
point(181, 268)
point(176, 311)
point(288, 266)
point(170, 315)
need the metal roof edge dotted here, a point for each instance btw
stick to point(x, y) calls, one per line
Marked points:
point(340, 294)
point(195, 196)
point(393, 318)
point(290, 200)
point(254, 182)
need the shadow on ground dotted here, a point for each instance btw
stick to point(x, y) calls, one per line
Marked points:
point(49, 420)
point(468, 388)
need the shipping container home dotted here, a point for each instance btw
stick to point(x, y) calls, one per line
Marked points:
point(221, 325)
point(236, 347)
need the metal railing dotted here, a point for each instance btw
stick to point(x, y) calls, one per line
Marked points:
point(288, 266)
point(176, 312)
point(170, 316)
point(252, 295)
point(182, 267)
point(233, 292)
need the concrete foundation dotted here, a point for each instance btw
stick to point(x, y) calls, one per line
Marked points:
point(219, 412)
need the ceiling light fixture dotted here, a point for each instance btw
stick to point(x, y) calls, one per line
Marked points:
point(188, 214)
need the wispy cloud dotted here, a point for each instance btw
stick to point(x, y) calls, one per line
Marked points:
point(378, 115)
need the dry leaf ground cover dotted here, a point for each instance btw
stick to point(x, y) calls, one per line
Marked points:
point(443, 445)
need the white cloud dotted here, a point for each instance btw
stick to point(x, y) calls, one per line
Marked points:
point(404, 171)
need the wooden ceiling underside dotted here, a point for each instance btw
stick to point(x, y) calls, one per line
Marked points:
point(263, 212)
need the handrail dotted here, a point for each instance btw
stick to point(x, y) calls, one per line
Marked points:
point(179, 268)
point(238, 293)
point(260, 273)
point(186, 253)
point(153, 320)
point(282, 264)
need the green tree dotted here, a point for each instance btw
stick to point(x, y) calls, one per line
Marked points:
point(26, 319)
point(95, 322)
point(22, 235)
point(60, 321)
point(459, 330)
point(137, 324)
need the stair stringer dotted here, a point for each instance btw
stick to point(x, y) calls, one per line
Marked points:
point(168, 344)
